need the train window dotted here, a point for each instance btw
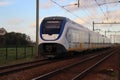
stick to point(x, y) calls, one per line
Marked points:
point(51, 27)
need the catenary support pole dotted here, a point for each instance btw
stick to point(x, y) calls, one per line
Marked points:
point(37, 25)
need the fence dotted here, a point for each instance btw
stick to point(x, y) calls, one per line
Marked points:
point(14, 53)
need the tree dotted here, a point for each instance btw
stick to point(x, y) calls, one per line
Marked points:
point(17, 39)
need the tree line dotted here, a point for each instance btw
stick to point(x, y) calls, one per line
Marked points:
point(15, 39)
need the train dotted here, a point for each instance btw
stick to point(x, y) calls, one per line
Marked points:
point(59, 35)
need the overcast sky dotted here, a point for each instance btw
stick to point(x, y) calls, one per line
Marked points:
point(20, 15)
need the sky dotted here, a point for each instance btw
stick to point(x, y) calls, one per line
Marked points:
point(20, 15)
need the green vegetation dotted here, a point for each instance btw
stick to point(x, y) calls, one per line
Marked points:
point(15, 39)
point(14, 48)
point(16, 54)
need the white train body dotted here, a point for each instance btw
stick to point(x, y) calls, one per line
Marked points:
point(59, 35)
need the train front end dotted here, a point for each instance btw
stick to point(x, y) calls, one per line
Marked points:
point(51, 30)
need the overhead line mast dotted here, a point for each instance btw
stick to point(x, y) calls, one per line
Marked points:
point(78, 3)
point(37, 25)
point(69, 11)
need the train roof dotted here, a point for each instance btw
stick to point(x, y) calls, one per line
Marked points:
point(55, 17)
point(68, 20)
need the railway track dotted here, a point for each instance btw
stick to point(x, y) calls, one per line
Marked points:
point(20, 68)
point(4, 70)
point(9, 69)
point(77, 70)
point(84, 72)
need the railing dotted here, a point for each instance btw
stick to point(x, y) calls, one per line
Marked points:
point(16, 52)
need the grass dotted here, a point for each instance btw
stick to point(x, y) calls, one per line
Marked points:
point(15, 55)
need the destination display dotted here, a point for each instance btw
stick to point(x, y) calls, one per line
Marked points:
point(53, 24)
point(51, 27)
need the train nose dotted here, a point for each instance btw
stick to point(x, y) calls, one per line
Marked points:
point(50, 48)
point(55, 49)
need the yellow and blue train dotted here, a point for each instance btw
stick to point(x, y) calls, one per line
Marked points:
point(58, 35)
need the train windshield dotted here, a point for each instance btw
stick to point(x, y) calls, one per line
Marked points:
point(51, 27)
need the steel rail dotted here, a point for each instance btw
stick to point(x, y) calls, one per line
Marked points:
point(47, 75)
point(83, 73)
point(19, 67)
point(20, 64)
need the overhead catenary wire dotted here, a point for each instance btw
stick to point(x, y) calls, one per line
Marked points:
point(70, 12)
point(86, 10)
point(88, 21)
point(117, 16)
point(106, 7)
point(109, 3)
point(105, 3)
point(104, 11)
point(107, 12)
point(101, 10)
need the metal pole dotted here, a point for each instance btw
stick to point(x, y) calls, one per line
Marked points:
point(78, 3)
point(37, 25)
point(110, 38)
point(93, 25)
point(115, 38)
point(105, 33)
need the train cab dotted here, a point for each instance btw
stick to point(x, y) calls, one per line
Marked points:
point(50, 32)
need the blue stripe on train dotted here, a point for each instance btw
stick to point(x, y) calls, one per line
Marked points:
point(61, 31)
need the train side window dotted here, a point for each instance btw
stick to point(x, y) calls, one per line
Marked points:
point(68, 36)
